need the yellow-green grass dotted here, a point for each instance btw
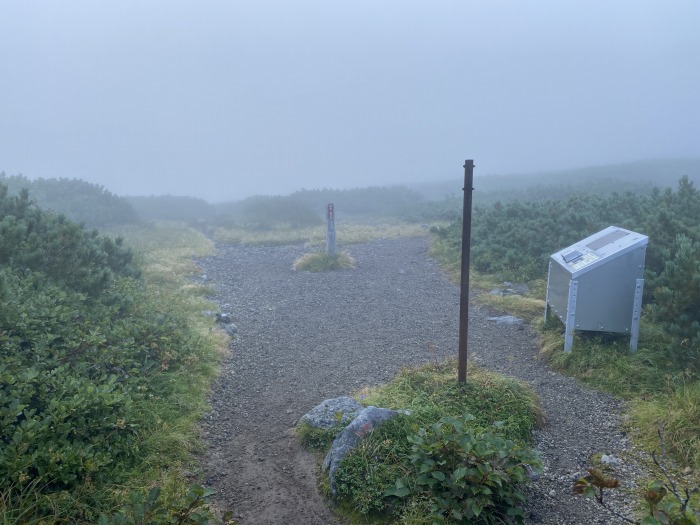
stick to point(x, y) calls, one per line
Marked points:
point(165, 252)
point(675, 412)
point(658, 392)
point(346, 233)
point(434, 385)
point(322, 262)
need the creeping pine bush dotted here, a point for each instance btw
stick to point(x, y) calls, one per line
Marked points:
point(84, 351)
point(467, 476)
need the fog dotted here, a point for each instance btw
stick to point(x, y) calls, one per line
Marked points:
point(222, 99)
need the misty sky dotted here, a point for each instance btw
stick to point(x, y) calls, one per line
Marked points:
point(222, 99)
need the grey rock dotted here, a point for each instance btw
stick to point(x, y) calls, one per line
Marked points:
point(609, 459)
point(531, 473)
point(366, 421)
point(230, 328)
point(224, 318)
point(506, 320)
point(332, 412)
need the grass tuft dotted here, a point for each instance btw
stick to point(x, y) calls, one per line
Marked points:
point(322, 262)
point(430, 392)
point(317, 438)
point(678, 413)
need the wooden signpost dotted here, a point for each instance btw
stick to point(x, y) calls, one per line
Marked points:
point(330, 231)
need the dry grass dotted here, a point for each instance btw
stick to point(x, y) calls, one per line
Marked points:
point(322, 262)
point(346, 233)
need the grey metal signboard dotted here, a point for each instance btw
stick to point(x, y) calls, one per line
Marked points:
point(597, 284)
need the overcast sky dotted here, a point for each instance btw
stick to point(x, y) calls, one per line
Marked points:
point(221, 99)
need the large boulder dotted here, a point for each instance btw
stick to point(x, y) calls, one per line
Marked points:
point(332, 412)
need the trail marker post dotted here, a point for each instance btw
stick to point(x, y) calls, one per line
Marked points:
point(464, 279)
point(330, 230)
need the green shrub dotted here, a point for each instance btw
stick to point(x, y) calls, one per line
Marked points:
point(82, 202)
point(92, 367)
point(65, 252)
point(468, 476)
point(265, 213)
point(172, 208)
point(191, 509)
point(678, 302)
point(514, 241)
point(430, 392)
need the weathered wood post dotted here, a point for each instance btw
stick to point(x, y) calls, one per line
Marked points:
point(330, 231)
point(464, 279)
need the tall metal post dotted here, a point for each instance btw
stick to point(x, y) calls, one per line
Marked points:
point(464, 278)
point(330, 231)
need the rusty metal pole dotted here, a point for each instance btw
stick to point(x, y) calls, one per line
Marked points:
point(464, 278)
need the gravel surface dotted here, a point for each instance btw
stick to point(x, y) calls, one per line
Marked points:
point(307, 337)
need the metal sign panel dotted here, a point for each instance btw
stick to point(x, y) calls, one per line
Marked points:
point(597, 283)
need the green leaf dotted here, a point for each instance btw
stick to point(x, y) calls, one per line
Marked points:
point(459, 473)
point(440, 476)
point(399, 492)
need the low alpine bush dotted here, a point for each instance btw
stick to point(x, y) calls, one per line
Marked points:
point(467, 475)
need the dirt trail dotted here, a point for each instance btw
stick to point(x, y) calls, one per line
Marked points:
point(307, 337)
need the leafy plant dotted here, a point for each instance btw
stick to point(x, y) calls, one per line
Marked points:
point(430, 392)
point(141, 509)
point(666, 503)
point(468, 476)
point(101, 372)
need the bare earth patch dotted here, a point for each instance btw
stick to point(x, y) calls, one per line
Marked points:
point(307, 337)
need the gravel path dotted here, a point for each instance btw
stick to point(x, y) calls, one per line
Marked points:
point(306, 337)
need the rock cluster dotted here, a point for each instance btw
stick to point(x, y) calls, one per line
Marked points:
point(337, 411)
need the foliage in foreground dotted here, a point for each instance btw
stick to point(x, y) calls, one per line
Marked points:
point(101, 373)
point(666, 502)
point(505, 412)
point(466, 476)
point(192, 509)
